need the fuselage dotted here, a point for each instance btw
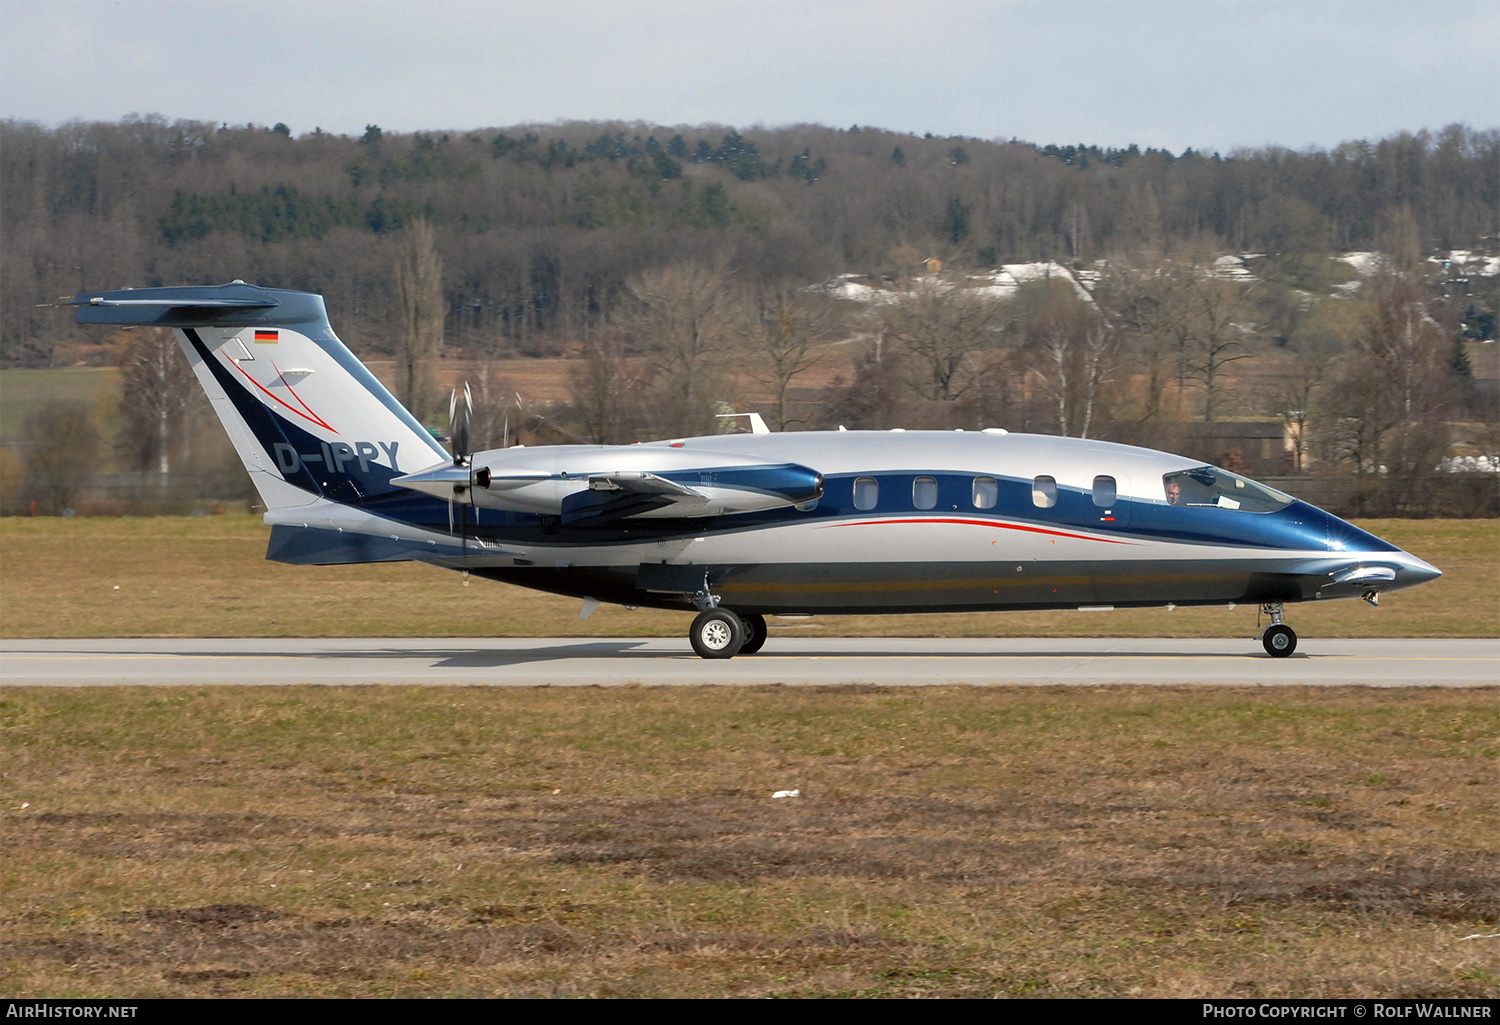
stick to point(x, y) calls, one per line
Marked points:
point(924, 522)
point(816, 522)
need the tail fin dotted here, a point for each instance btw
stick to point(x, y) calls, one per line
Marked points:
point(306, 417)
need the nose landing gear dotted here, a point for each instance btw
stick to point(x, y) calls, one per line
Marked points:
point(1278, 639)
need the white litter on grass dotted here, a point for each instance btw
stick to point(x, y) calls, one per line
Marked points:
point(786, 793)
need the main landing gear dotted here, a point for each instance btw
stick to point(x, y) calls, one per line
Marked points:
point(1278, 639)
point(719, 633)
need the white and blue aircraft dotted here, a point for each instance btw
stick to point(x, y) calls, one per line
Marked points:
point(740, 527)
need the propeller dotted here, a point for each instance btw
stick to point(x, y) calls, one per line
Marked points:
point(460, 413)
point(459, 417)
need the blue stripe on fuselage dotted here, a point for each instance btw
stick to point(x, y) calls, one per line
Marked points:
point(1298, 527)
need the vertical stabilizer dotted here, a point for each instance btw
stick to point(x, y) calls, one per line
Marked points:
point(306, 417)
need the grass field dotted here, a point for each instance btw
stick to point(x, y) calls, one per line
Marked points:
point(207, 577)
point(622, 842)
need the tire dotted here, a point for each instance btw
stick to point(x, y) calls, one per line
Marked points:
point(1279, 641)
point(755, 634)
point(717, 633)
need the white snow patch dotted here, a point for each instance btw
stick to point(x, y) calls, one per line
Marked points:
point(1001, 283)
point(1470, 464)
point(1364, 264)
point(1231, 268)
point(1004, 281)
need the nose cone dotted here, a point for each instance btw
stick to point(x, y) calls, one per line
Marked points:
point(1414, 571)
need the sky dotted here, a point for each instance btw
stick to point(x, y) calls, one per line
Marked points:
point(1169, 74)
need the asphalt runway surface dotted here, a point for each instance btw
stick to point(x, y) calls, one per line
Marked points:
point(888, 661)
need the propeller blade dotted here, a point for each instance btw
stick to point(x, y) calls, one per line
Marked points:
point(459, 416)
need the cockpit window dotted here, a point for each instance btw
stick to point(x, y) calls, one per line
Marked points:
point(1209, 487)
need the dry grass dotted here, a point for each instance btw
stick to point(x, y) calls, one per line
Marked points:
point(207, 577)
point(954, 842)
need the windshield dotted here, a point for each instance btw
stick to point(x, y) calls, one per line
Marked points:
point(1211, 487)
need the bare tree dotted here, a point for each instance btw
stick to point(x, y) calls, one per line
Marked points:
point(1181, 309)
point(940, 326)
point(610, 390)
point(1215, 334)
point(159, 388)
point(420, 307)
point(1135, 296)
point(1299, 400)
point(1403, 352)
point(1073, 351)
point(678, 316)
point(780, 326)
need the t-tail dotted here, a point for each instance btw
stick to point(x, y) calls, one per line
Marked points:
point(321, 437)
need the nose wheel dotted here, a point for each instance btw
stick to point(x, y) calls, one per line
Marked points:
point(1278, 639)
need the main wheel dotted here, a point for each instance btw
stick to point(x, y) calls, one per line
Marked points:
point(1280, 641)
point(717, 633)
point(755, 634)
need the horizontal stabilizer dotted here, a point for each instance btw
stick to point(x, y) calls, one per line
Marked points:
point(173, 304)
point(233, 305)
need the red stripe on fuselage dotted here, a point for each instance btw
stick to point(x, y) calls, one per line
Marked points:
point(984, 523)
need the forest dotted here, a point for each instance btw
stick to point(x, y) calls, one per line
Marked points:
point(822, 275)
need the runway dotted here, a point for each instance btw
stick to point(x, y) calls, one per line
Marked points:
point(887, 661)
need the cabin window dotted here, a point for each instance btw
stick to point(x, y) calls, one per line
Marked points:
point(866, 493)
point(924, 492)
point(986, 492)
point(1104, 492)
point(1209, 487)
point(1044, 492)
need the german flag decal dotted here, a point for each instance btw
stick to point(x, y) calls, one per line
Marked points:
point(266, 337)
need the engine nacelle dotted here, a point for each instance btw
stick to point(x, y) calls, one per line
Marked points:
point(579, 482)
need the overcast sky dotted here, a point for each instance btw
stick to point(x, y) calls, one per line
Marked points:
point(1212, 76)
